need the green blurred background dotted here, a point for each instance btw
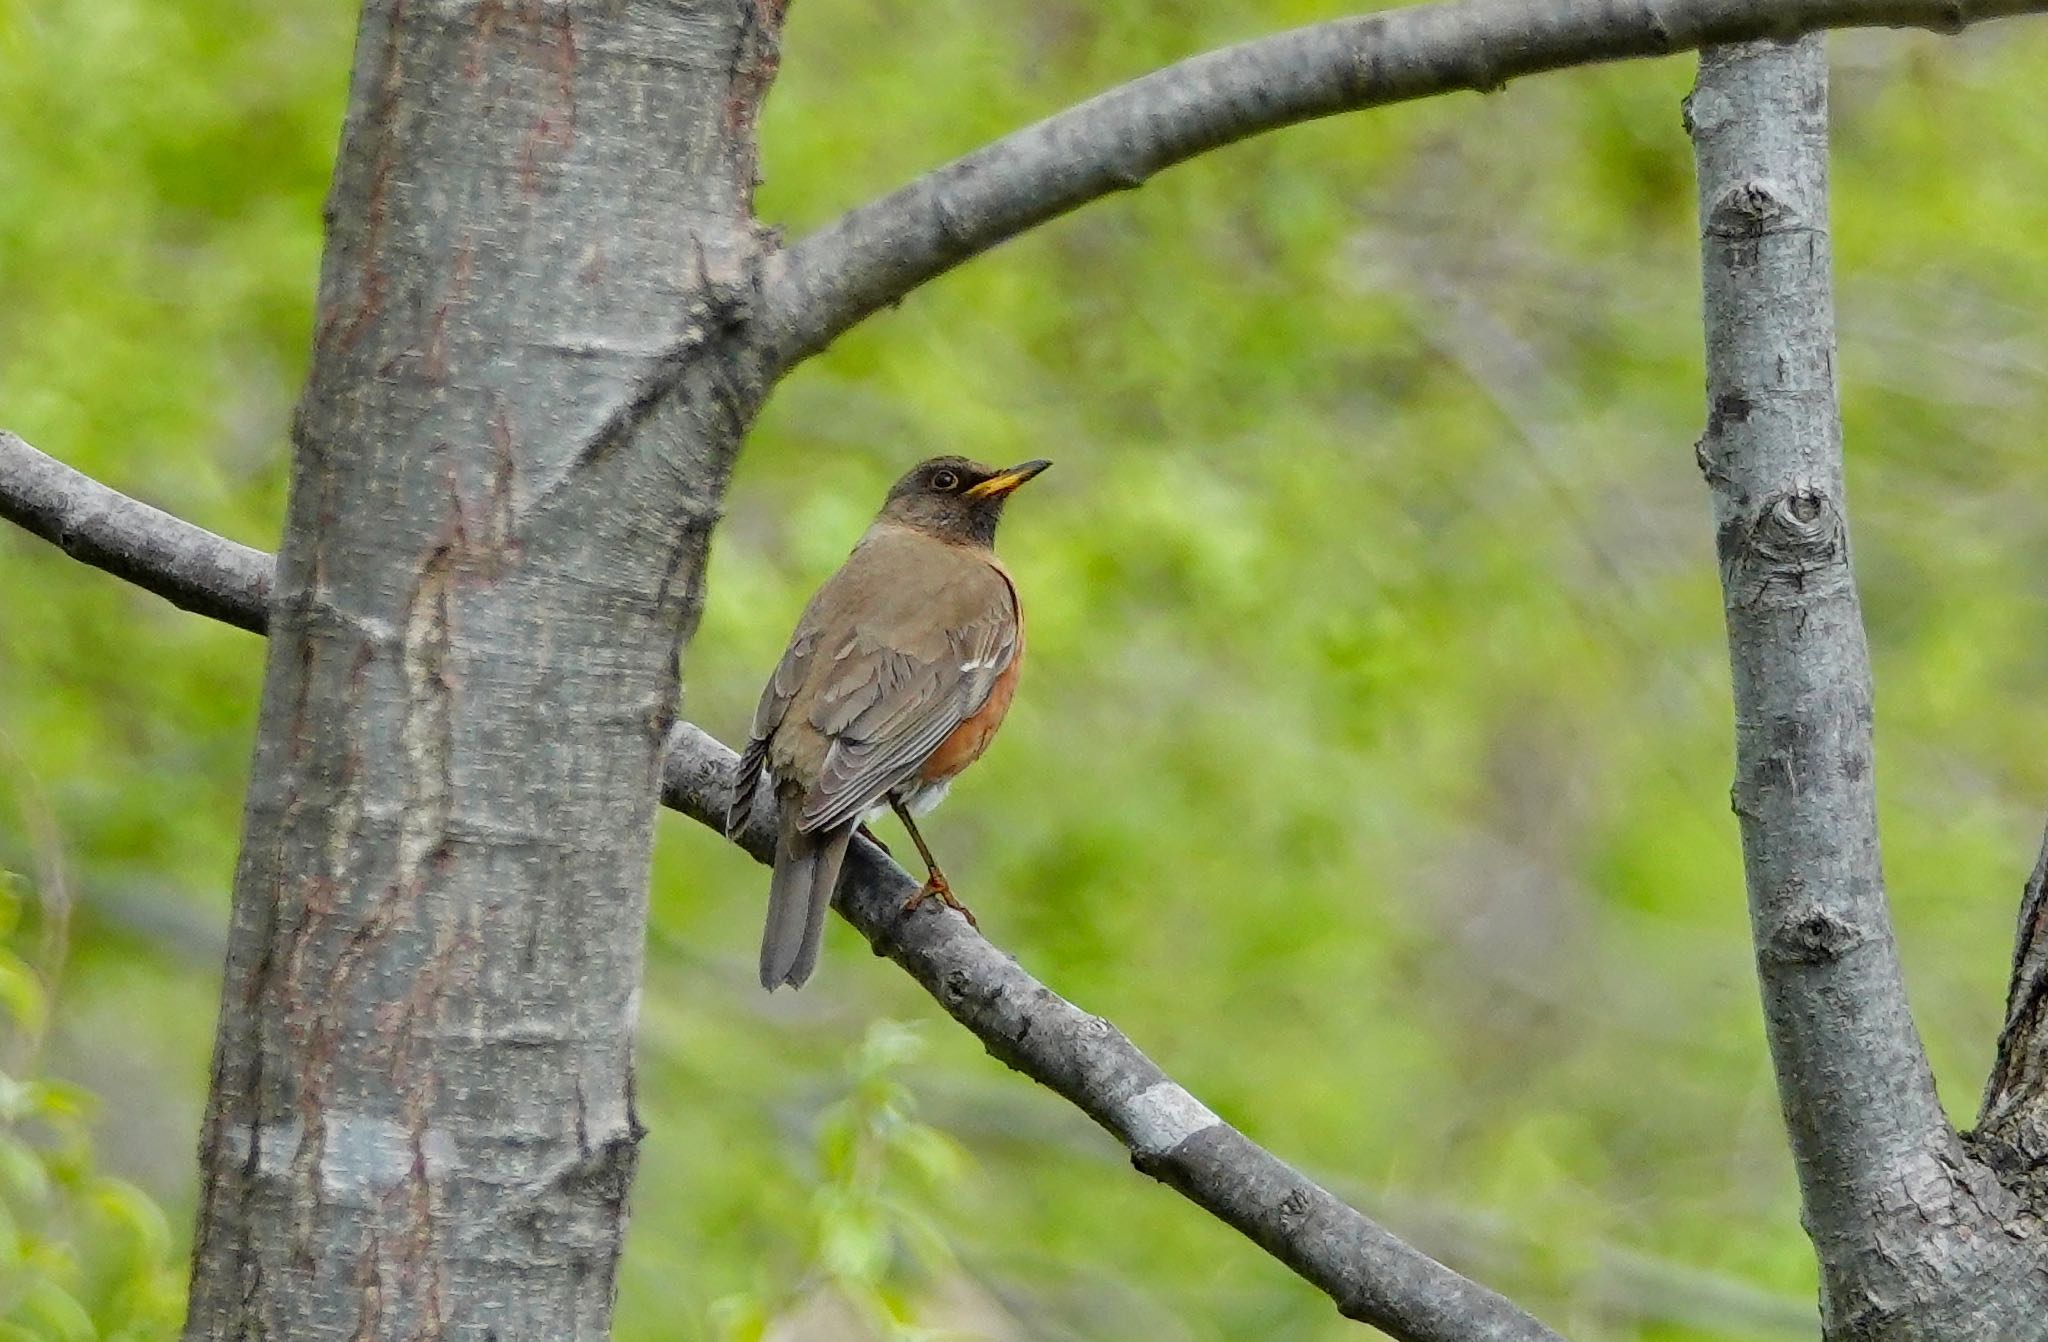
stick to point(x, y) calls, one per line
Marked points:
point(1371, 768)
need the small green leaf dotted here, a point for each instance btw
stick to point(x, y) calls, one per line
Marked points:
point(22, 996)
point(853, 1244)
point(739, 1318)
point(889, 1044)
point(131, 1208)
point(23, 1176)
point(937, 1157)
point(62, 1318)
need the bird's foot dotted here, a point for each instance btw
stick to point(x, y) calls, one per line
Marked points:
point(869, 835)
point(935, 887)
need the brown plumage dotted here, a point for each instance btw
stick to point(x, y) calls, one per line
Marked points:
point(898, 674)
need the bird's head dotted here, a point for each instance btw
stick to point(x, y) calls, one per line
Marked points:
point(956, 499)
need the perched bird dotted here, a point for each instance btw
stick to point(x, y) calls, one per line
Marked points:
point(898, 674)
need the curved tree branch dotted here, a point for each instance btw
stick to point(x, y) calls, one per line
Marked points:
point(1372, 1275)
point(876, 254)
point(1906, 1223)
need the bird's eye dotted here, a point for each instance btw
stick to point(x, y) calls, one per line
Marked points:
point(946, 481)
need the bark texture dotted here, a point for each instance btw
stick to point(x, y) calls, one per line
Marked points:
point(1916, 1238)
point(521, 414)
point(2012, 1128)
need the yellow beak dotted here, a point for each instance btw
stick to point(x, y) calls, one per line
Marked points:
point(997, 485)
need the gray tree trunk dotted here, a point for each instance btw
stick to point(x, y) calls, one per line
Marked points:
point(517, 431)
point(1917, 1237)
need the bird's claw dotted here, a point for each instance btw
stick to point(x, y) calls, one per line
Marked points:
point(935, 887)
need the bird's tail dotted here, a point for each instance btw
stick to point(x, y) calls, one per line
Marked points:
point(799, 900)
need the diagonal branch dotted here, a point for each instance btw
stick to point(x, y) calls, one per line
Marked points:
point(1372, 1275)
point(1902, 1219)
point(874, 255)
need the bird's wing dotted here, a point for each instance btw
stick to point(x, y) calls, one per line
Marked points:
point(776, 695)
point(889, 690)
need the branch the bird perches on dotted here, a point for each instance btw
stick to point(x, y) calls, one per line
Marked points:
point(1371, 1274)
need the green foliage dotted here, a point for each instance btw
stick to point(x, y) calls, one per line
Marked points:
point(1370, 768)
point(877, 1172)
point(84, 1257)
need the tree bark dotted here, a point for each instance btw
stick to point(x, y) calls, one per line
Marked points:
point(522, 410)
point(2012, 1126)
point(1916, 1238)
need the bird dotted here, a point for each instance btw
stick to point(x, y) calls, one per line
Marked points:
point(896, 678)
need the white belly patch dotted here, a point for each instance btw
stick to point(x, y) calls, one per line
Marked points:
point(918, 798)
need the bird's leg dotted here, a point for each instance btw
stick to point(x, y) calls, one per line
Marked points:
point(935, 880)
point(869, 835)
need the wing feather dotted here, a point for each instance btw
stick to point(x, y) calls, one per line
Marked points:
point(886, 710)
point(776, 697)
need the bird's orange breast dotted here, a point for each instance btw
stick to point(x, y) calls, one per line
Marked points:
point(966, 742)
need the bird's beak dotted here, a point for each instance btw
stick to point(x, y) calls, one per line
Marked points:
point(998, 485)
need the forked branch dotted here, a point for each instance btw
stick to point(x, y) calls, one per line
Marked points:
point(1371, 1274)
point(1910, 1229)
point(876, 254)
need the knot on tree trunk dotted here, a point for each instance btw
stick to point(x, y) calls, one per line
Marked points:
point(1791, 551)
point(1811, 935)
point(1753, 208)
